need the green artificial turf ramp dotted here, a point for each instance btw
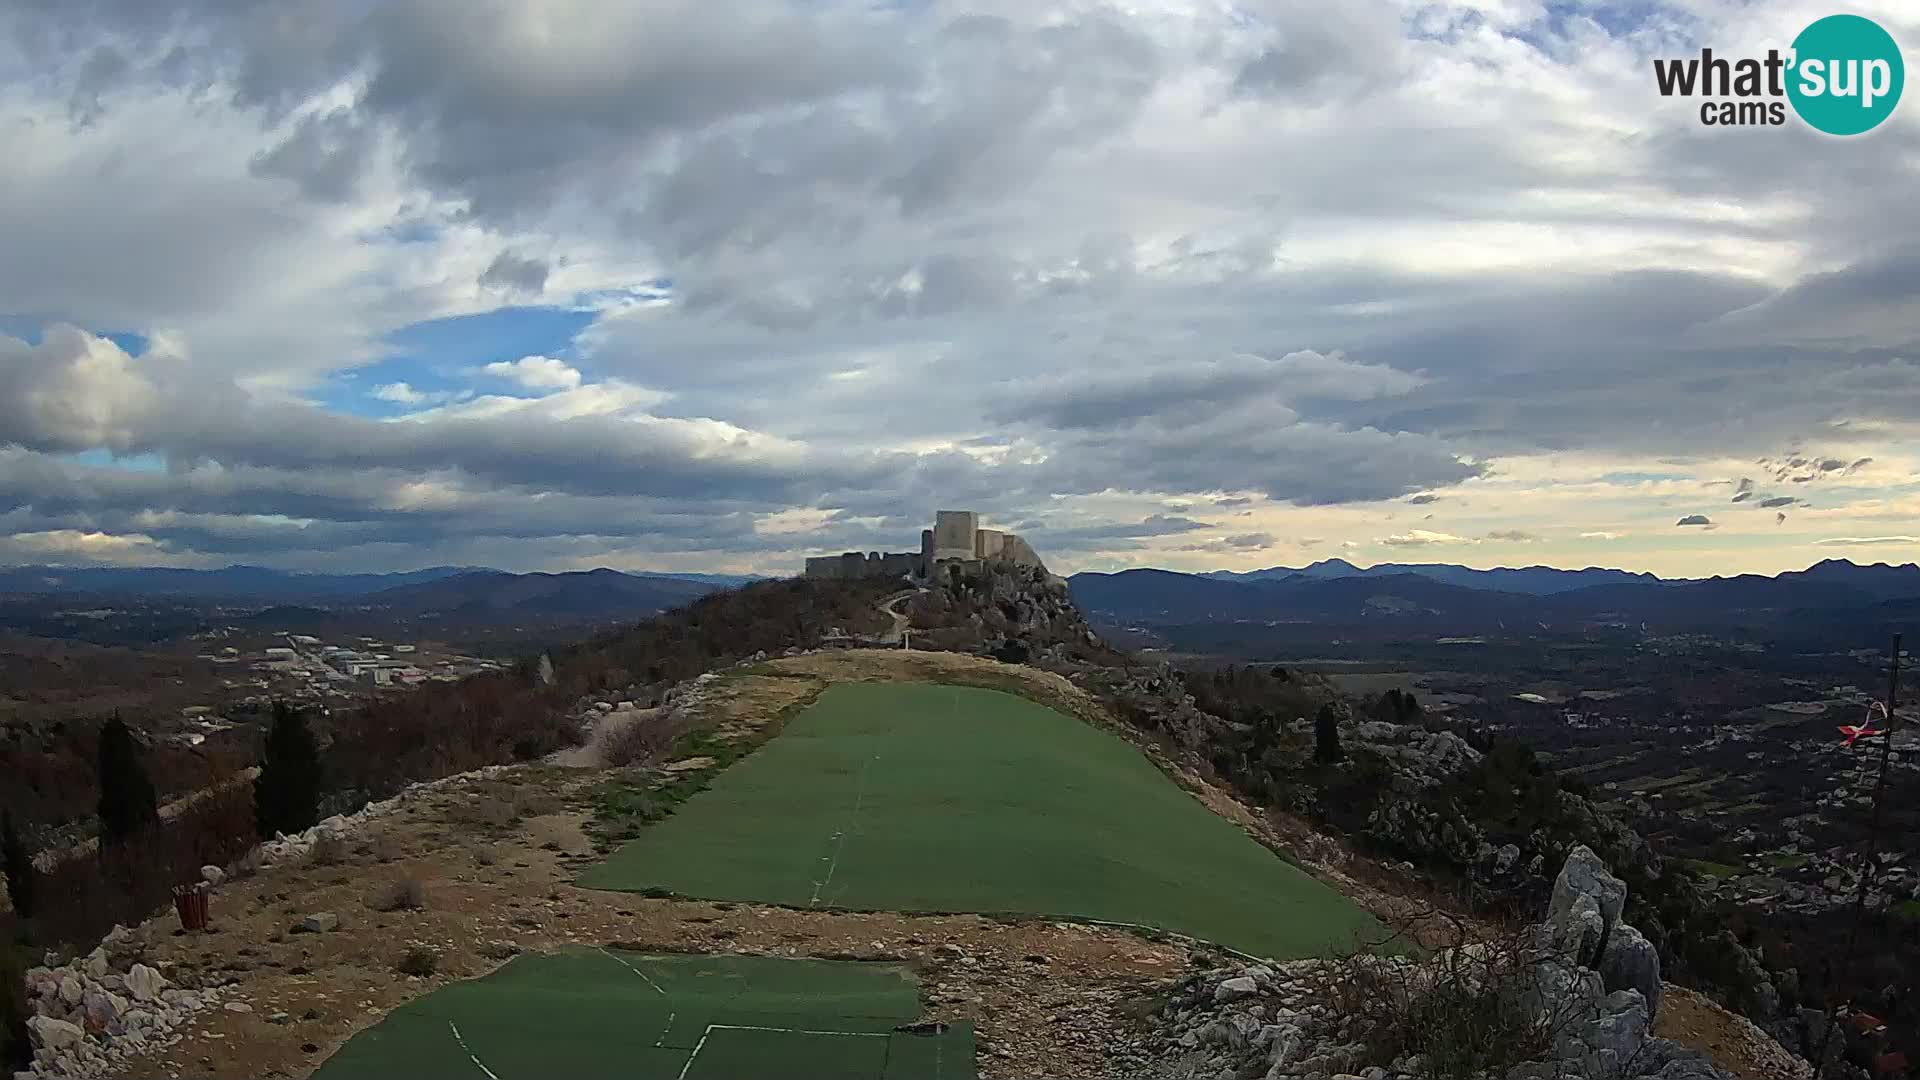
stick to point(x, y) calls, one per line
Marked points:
point(922, 797)
point(597, 1014)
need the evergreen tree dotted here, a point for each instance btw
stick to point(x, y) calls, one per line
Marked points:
point(19, 868)
point(286, 795)
point(16, 1051)
point(127, 799)
point(1326, 734)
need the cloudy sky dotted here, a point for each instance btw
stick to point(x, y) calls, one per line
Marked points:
point(714, 284)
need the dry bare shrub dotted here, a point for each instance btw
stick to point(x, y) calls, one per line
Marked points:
point(249, 863)
point(641, 741)
point(125, 883)
point(407, 894)
point(493, 811)
point(383, 848)
point(1468, 1009)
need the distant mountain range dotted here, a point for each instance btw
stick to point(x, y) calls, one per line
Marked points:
point(260, 584)
point(1441, 599)
point(1534, 580)
point(483, 595)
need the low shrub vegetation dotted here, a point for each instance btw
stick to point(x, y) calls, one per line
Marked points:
point(407, 894)
point(418, 960)
point(1465, 1009)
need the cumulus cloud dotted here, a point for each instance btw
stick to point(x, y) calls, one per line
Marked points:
point(1867, 541)
point(1227, 545)
point(1050, 260)
point(1696, 519)
point(401, 393)
point(1799, 468)
point(1422, 538)
point(1512, 536)
point(536, 372)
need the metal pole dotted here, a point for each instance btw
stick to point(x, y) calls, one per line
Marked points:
point(1873, 839)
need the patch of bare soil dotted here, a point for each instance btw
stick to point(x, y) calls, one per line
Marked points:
point(1732, 1041)
point(490, 862)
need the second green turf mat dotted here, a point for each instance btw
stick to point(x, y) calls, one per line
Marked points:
point(921, 797)
point(590, 1014)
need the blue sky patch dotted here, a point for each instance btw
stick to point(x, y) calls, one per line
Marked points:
point(438, 360)
point(34, 330)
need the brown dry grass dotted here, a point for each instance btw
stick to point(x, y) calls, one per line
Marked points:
point(478, 916)
point(1021, 978)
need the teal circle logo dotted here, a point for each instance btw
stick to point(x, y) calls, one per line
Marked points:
point(1846, 75)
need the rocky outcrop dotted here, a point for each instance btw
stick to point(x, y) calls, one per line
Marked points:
point(1586, 989)
point(91, 1014)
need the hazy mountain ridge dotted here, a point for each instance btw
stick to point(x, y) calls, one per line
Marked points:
point(1535, 580)
point(580, 593)
point(266, 584)
point(1422, 598)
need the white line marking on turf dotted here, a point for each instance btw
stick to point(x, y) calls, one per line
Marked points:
point(840, 838)
point(664, 1032)
point(684, 1069)
point(711, 1028)
point(635, 970)
point(470, 1055)
point(802, 1031)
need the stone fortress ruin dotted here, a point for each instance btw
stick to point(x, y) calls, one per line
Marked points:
point(956, 539)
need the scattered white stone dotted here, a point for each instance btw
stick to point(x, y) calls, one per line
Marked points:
point(56, 1035)
point(238, 1007)
point(320, 922)
point(144, 983)
point(212, 875)
point(1235, 988)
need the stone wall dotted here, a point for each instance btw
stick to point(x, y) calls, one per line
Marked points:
point(854, 565)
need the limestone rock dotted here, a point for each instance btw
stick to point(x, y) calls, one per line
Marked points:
point(98, 1010)
point(1630, 961)
point(1505, 857)
point(1235, 988)
point(71, 990)
point(1622, 1024)
point(144, 983)
point(320, 922)
point(51, 1034)
point(1577, 933)
point(1585, 875)
point(212, 875)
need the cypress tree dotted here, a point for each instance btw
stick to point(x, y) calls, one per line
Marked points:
point(128, 802)
point(19, 868)
point(1326, 734)
point(286, 794)
point(16, 1050)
